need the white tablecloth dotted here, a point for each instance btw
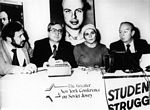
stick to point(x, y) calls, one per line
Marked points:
point(81, 91)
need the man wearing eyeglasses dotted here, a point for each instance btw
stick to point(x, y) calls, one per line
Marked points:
point(53, 46)
point(4, 20)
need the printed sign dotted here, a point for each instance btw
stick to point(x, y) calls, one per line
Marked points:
point(128, 92)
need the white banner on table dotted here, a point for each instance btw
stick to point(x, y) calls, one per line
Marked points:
point(83, 90)
point(130, 92)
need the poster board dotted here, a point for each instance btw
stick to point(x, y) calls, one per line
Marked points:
point(56, 12)
point(14, 9)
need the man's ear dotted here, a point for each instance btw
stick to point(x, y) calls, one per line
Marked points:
point(9, 20)
point(8, 39)
point(133, 32)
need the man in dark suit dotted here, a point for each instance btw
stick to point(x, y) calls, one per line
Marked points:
point(132, 47)
point(53, 46)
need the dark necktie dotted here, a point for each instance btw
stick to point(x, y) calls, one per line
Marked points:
point(24, 63)
point(128, 48)
point(54, 50)
point(15, 59)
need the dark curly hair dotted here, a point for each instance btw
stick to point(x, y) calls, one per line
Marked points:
point(10, 29)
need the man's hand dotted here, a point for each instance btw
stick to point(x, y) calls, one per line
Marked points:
point(30, 68)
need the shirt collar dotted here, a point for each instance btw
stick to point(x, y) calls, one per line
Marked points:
point(131, 43)
point(52, 43)
point(132, 48)
point(8, 46)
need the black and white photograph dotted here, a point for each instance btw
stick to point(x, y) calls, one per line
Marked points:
point(74, 54)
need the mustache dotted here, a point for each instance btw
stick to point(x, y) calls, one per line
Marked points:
point(21, 45)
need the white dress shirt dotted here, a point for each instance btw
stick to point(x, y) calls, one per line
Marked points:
point(132, 48)
point(52, 44)
point(20, 54)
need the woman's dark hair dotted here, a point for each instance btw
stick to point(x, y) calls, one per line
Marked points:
point(10, 29)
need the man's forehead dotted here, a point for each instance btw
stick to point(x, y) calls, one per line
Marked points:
point(3, 15)
point(56, 26)
point(21, 31)
point(72, 4)
point(126, 26)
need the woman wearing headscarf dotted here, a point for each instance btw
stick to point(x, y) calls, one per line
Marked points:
point(91, 52)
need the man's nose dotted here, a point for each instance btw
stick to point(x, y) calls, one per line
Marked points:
point(23, 37)
point(57, 33)
point(74, 15)
point(3, 21)
point(90, 35)
point(121, 34)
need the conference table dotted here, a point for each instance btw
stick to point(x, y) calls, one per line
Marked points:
point(81, 90)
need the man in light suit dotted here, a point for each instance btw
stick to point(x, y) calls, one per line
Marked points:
point(13, 39)
point(4, 20)
point(134, 48)
point(43, 49)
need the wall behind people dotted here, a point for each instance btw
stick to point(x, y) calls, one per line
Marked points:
point(36, 17)
point(109, 14)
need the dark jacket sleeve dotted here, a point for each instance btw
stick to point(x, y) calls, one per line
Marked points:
point(41, 52)
point(117, 46)
point(65, 52)
point(142, 46)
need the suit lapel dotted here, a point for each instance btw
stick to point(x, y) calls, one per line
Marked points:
point(136, 45)
point(26, 55)
point(122, 47)
point(5, 53)
point(48, 47)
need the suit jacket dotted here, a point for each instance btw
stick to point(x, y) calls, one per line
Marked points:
point(141, 47)
point(6, 61)
point(42, 52)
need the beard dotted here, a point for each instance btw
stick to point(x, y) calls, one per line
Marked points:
point(21, 45)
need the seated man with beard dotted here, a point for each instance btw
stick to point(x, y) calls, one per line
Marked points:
point(14, 57)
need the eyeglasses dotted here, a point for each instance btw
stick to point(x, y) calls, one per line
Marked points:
point(4, 19)
point(89, 33)
point(60, 31)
